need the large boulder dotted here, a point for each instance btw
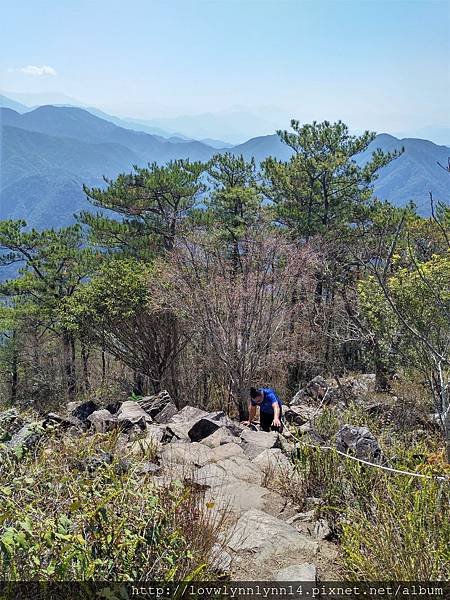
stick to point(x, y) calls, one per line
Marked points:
point(190, 455)
point(359, 442)
point(226, 451)
point(153, 405)
point(206, 425)
point(102, 420)
point(300, 414)
point(267, 537)
point(169, 411)
point(182, 422)
point(255, 442)
point(219, 437)
point(63, 421)
point(272, 460)
point(315, 390)
point(131, 414)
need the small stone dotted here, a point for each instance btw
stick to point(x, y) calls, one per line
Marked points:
point(322, 530)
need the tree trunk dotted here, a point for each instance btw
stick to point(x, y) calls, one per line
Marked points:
point(14, 371)
point(69, 366)
point(85, 358)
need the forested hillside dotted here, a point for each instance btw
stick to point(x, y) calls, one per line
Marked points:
point(131, 339)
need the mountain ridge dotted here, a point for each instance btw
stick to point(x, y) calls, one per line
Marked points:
point(71, 146)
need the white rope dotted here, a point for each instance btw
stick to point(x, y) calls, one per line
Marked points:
point(366, 462)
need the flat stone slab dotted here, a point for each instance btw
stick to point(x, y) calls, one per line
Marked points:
point(226, 451)
point(266, 536)
point(239, 467)
point(255, 442)
point(219, 437)
point(238, 497)
point(194, 454)
point(273, 460)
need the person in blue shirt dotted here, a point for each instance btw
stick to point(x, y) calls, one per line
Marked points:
point(269, 409)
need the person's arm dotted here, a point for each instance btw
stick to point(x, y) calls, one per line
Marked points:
point(276, 414)
point(251, 414)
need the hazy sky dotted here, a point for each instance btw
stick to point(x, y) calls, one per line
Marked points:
point(376, 64)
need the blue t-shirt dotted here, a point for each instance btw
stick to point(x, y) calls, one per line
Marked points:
point(270, 398)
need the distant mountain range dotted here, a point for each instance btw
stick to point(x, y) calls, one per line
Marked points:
point(49, 152)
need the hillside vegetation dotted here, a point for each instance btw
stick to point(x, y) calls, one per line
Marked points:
point(130, 341)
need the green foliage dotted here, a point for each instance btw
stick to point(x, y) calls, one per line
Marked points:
point(153, 203)
point(321, 187)
point(415, 308)
point(113, 294)
point(62, 521)
point(389, 526)
point(54, 263)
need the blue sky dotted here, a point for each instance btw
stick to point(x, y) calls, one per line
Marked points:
point(376, 64)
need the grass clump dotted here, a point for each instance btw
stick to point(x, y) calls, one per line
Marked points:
point(389, 526)
point(67, 513)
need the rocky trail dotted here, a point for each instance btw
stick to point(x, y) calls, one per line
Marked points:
point(244, 476)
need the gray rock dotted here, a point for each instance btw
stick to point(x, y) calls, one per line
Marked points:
point(54, 419)
point(359, 442)
point(102, 420)
point(220, 559)
point(83, 410)
point(147, 468)
point(27, 437)
point(155, 433)
point(266, 536)
point(240, 467)
point(255, 442)
point(188, 414)
point(194, 455)
point(180, 424)
point(302, 572)
point(205, 426)
point(131, 414)
point(10, 422)
point(92, 463)
point(226, 451)
point(219, 437)
point(321, 529)
point(169, 411)
point(273, 460)
point(300, 414)
point(238, 496)
point(153, 405)
point(315, 389)
point(304, 517)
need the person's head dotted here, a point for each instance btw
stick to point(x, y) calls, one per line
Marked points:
point(256, 395)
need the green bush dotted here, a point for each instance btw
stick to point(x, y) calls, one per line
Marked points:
point(389, 526)
point(65, 517)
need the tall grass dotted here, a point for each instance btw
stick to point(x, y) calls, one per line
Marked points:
point(64, 516)
point(390, 526)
